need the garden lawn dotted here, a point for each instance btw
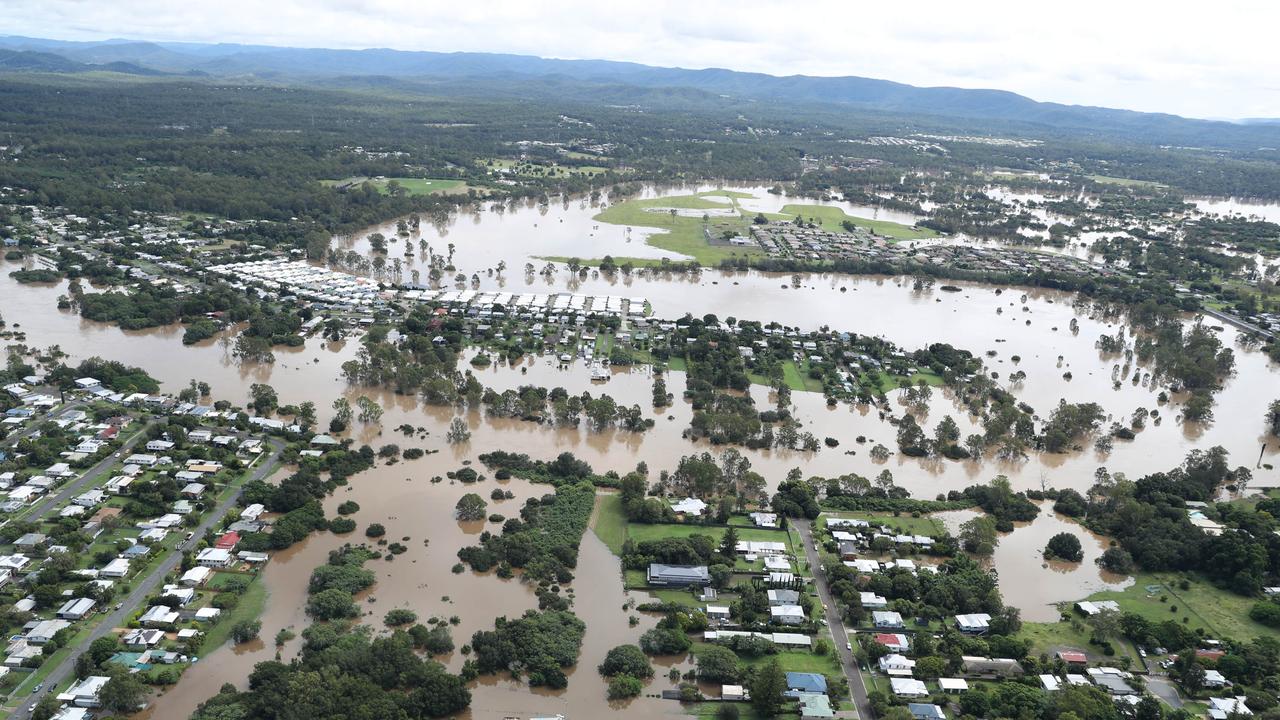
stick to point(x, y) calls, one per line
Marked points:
point(412, 186)
point(610, 523)
point(790, 660)
point(641, 532)
point(250, 607)
point(1222, 613)
point(923, 525)
point(831, 219)
point(1050, 637)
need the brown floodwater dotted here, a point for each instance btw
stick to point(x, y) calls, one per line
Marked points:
point(1032, 325)
point(1035, 585)
point(419, 514)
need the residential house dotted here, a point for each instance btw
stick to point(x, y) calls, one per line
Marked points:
point(666, 575)
point(925, 711)
point(220, 558)
point(872, 601)
point(1228, 707)
point(196, 576)
point(897, 642)
point(717, 612)
point(75, 609)
point(787, 614)
point(84, 694)
point(908, 687)
point(973, 624)
point(689, 506)
point(953, 686)
point(117, 568)
point(39, 632)
point(896, 664)
point(142, 638)
point(887, 619)
point(783, 597)
point(806, 682)
point(158, 615)
point(228, 541)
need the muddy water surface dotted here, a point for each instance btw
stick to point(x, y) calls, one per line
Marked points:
point(1035, 585)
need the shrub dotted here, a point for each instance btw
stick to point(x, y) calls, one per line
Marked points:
point(399, 616)
point(342, 525)
point(624, 686)
point(626, 660)
point(375, 530)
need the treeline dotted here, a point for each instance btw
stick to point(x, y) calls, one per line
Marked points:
point(343, 671)
point(543, 541)
point(298, 497)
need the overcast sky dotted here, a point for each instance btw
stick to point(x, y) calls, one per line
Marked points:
point(1212, 60)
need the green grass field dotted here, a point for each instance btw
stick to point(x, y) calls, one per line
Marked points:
point(684, 235)
point(413, 186)
point(790, 660)
point(641, 532)
point(611, 524)
point(831, 219)
point(249, 608)
point(890, 382)
point(1049, 637)
point(1126, 182)
point(923, 525)
point(1222, 613)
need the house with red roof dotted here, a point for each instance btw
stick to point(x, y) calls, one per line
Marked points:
point(1073, 657)
point(897, 642)
point(228, 542)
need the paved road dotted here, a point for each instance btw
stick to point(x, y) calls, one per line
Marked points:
point(1164, 689)
point(36, 421)
point(145, 587)
point(835, 622)
point(89, 478)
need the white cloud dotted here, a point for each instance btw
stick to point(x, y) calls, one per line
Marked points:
point(1175, 56)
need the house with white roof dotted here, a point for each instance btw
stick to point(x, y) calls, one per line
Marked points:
point(896, 664)
point(689, 506)
point(117, 568)
point(907, 687)
point(84, 694)
point(158, 615)
point(787, 614)
point(1227, 707)
point(196, 576)
point(887, 619)
point(214, 558)
point(872, 601)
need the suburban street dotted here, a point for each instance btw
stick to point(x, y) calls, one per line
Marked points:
point(89, 479)
point(847, 661)
point(144, 587)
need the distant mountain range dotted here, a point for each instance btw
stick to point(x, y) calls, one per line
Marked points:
point(311, 65)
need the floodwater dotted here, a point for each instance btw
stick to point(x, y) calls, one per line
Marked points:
point(419, 514)
point(1026, 331)
point(1035, 585)
point(1247, 207)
